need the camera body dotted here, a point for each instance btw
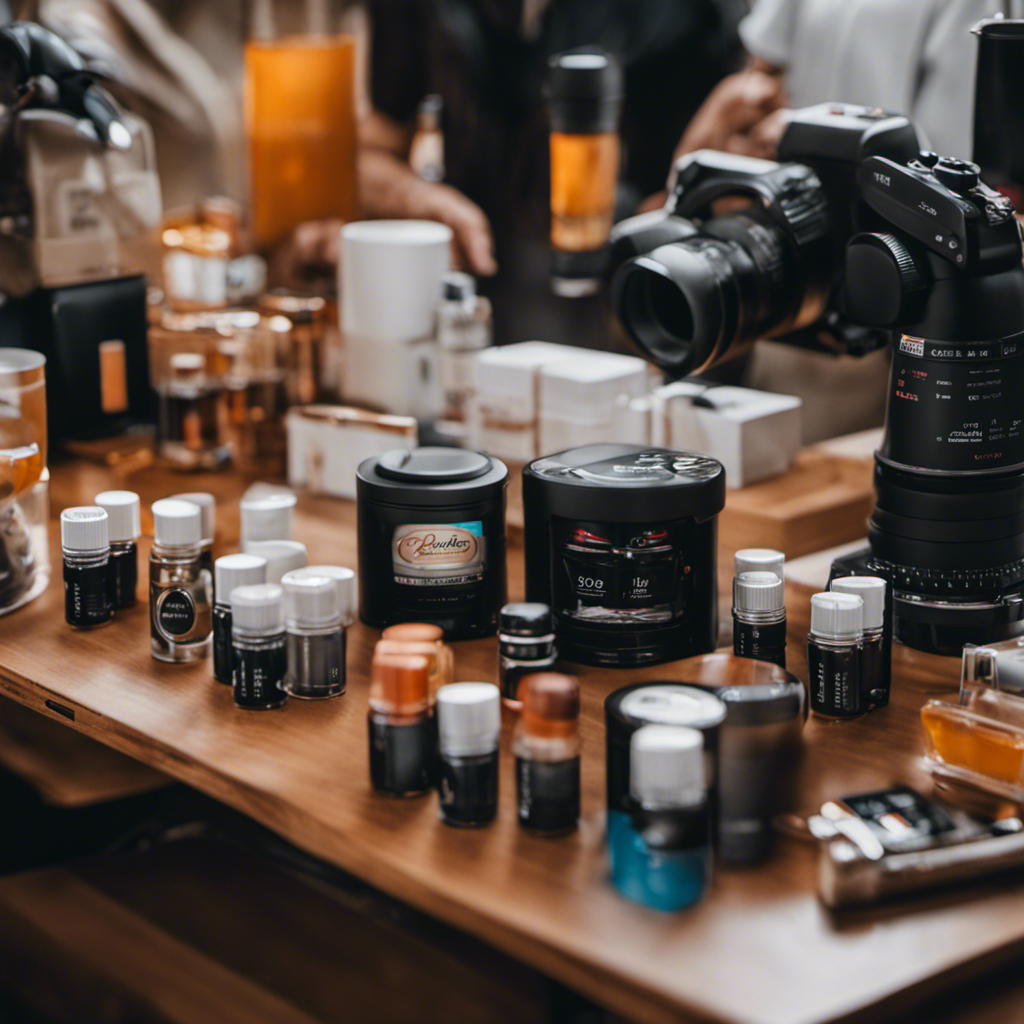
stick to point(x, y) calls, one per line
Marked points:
point(857, 238)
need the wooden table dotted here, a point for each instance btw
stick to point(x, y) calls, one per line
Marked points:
point(760, 950)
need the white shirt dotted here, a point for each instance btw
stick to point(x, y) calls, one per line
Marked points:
point(914, 57)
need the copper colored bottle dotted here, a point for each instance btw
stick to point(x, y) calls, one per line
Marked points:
point(402, 727)
point(547, 750)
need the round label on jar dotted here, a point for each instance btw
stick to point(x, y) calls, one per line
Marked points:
point(444, 554)
point(177, 613)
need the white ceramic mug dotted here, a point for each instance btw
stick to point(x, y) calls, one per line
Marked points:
point(390, 278)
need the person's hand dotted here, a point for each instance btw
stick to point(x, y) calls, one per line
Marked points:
point(307, 258)
point(731, 116)
point(473, 244)
point(389, 188)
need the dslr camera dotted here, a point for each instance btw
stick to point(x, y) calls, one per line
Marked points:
point(856, 239)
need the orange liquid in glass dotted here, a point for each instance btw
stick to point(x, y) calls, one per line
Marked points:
point(584, 170)
point(301, 127)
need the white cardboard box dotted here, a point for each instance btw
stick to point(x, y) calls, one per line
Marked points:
point(754, 434)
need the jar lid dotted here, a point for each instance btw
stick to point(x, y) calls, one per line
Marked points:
point(282, 556)
point(84, 529)
point(871, 590)
point(267, 517)
point(627, 482)
point(231, 571)
point(758, 592)
point(666, 704)
point(837, 616)
point(763, 703)
point(207, 508)
point(310, 601)
point(666, 766)
point(431, 476)
point(176, 523)
point(759, 560)
point(258, 608)
point(345, 583)
point(468, 718)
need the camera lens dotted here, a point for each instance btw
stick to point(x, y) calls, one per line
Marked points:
point(692, 303)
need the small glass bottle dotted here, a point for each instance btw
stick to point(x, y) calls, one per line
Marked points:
point(180, 589)
point(585, 91)
point(468, 733)
point(84, 540)
point(834, 655)
point(526, 645)
point(670, 819)
point(122, 508)
point(230, 572)
point(188, 415)
point(426, 151)
point(876, 654)
point(463, 330)
point(267, 517)
point(547, 751)
point(315, 637)
point(759, 560)
point(402, 726)
point(207, 504)
point(759, 617)
point(259, 653)
point(281, 556)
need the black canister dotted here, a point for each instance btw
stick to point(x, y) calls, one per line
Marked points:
point(432, 540)
point(620, 542)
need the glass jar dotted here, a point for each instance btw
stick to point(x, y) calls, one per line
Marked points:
point(300, 113)
point(24, 478)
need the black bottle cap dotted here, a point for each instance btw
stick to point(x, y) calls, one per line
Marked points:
point(431, 476)
point(585, 89)
point(527, 618)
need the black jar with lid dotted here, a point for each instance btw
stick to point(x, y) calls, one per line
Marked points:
point(432, 539)
point(620, 542)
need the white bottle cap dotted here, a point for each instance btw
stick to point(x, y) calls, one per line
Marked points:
point(345, 580)
point(208, 511)
point(871, 590)
point(837, 616)
point(267, 518)
point(282, 556)
point(760, 560)
point(666, 766)
point(84, 529)
point(310, 602)
point(258, 608)
point(176, 524)
point(468, 718)
point(232, 571)
point(122, 508)
point(758, 592)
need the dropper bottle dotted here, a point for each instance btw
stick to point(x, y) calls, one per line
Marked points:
point(402, 727)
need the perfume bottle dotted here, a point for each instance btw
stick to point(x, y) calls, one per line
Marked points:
point(834, 647)
point(122, 508)
point(188, 415)
point(426, 152)
point(670, 820)
point(463, 330)
point(180, 589)
point(207, 505)
point(876, 652)
point(585, 91)
point(84, 541)
point(759, 617)
point(259, 653)
point(230, 572)
point(315, 636)
point(547, 750)
point(468, 731)
point(402, 726)
point(526, 645)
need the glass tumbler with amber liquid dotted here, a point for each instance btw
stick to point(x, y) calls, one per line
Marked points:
point(24, 478)
point(300, 113)
point(585, 93)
